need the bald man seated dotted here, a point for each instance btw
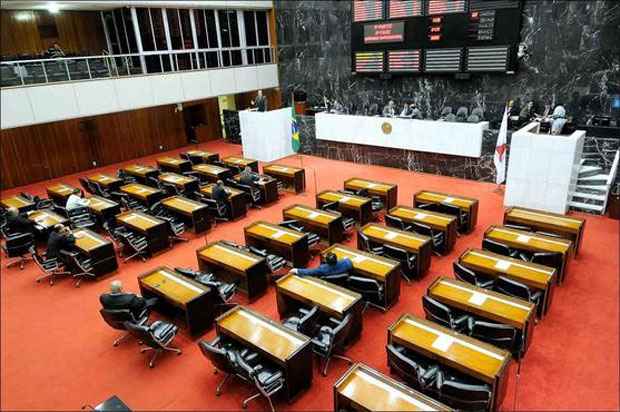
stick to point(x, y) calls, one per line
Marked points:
point(119, 300)
point(17, 222)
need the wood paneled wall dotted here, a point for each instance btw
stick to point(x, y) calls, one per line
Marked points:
point(274, 99)
point(78, 31)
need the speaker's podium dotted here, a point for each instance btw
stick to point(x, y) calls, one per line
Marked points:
point(543, 169)
point(266, 136)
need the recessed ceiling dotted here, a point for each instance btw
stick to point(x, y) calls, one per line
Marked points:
point(106, 5)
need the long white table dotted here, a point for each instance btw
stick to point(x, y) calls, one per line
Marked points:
point(451, 138)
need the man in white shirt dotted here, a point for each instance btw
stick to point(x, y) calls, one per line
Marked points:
point(76, 201)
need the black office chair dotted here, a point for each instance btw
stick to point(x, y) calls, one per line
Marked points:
point(59, 209)
point(366, 245)
point(396, 222)
point(517, 289)
point(268, 380)
point(274, 262)
point(551, 259)
point(469, 276)
point(438, 238)
point(176, 229)
point(462, 217)
point(158, 336)
point(339, 279)
point(499, 248)
point(169, 189)
point(497, 334)
point(372, 291)
point(135, 245)
point(409, 261)
point(440, 313)
point(50, 268)
point(348, 223)
point(225, 291)
point(86, 185)
point(153, 182)
point(80, 218)
point(116, 318)
point(100, 191)
point(329, 341)
point(402, 363)
point(81, 268)
point(17, 246)
point(252, 193)
point(313, 238)
point(465, 396)
point(218, 211)
point(223, 359)
point(129, 203)
point(127, 179)
point(376, 204)
point(303, 321)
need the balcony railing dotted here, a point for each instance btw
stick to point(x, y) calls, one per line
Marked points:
point(28, 72)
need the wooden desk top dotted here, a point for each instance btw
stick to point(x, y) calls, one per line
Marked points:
point(332, 298)
point(139, 220)
point(547, 219)
point(349, 200)
point(262, 332)
point(173, 285)
point(17, 202)
point(183, 204)
point(277, 233)
point(377, 266)
point(309, 213)
point(241, 161)
point(61, 189)
point(176, 179)
point(359, 183)
point(396, 237)
point(488, 304)
point(209, 169)
point(87, 240)
point(282, 170)
point(171, 161)
point(532, 274)
point(477, 358)
point(99, 203)
point(103, 179)
point(374, 391)
point(139, 170)
point(437, 197)
point(528, 240)
point(138, 190)
point(229, 256)
point(46, 218)
point(201, 153)
point(231, 190)
point(409, 214)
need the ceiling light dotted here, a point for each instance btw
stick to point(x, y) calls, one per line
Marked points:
point(53, 7)
point(23, 16)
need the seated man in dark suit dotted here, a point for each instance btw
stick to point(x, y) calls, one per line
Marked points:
point(119, 300)
point(60, 238)
point(332, 266)
point(248, 177)
point(17, 222)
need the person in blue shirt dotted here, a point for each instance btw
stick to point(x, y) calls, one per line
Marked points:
point(332, 266)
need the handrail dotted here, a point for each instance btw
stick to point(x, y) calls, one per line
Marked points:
point(614, 169)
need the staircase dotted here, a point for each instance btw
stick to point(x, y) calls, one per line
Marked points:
point(593, 186)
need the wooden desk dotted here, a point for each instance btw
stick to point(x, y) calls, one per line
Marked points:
point(193, 213)
point(241, 162)
point(290, 350)
point(106, 181)
point(145, 194)
point(268, 187)
point(569, 227)
point(104, 209)
point(155, 230)
point(533, 242)
point(328, 225)
point(98, 249)
point(357, 207)
point(60, 192)
point(386, 191)
point(141, 172)
point(178, 295)
point(184, 184)
point(200, 156)
point(437, 221)
point(18, 202)
point(230, 264)
point(364, 389)
point(47, 219)
point(537, 277)
point(468, 204)
point(383, 270)
point(469, 356)
point(293, 292)
point(488, 305)
point(288, 243)
point(212, 173)
point(292, 177)
point(237, 200)
point(419, 245)
point(174, 164)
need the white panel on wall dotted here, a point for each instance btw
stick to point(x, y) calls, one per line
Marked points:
point(53, 102)
point(267, 76)
point(15, 108)
point(222, 81)
point(166, 88)
point(96, 97)
point(133, 93)
point(196, 85)
point(246, 79)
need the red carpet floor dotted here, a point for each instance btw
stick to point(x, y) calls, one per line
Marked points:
point(57, 352)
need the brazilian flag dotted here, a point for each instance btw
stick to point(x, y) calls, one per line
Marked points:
point(296, 143)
